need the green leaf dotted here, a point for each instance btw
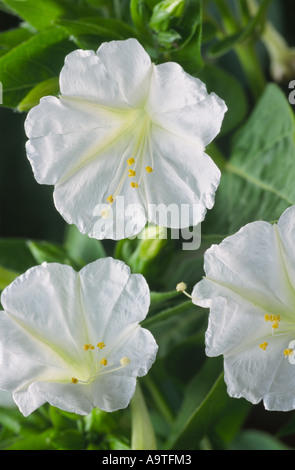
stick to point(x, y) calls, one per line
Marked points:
point(45, 88)
point(230, 90)
point(205, 402)
point(90, 32)
point(6, 277)
point(15, 255)
point(101, 422)
point(257, 440)
point(81, 248)
point(68, 440)
point(41, 13)
point(258, 180)
point(143, 437)
point(49, 252)
point(42, 441)
point(37, 59)
point(13, 37)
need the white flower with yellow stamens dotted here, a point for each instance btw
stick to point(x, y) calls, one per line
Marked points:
point(74, 339)
point(123, 126)
point(249, 287)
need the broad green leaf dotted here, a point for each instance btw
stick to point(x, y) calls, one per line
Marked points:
point(230, 90)
point(81, 248)
point(205, 401)
point(90, 32)
point(258, 180)
point(257, 440)
point(15, 255)
point(37, 59)
point(48, 87)
point(41, 13)
point(143, 437)
point(13, 37)
point(6, 277)
point(44, 251)
point(42, 441)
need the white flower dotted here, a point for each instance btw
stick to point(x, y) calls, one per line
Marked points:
point(74, 339)
point(250, 289)
point(124, 127)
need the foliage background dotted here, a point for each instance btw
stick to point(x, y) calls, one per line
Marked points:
point(223, 44)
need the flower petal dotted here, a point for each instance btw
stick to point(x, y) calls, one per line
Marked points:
point(180, 103)
point(195, 179)
point(95, 75)
point(248, 275)
point(51, 313)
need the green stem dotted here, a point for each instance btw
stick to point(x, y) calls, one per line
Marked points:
point(169, 312)
point(143, 436)
point(247, 56)
point(159, 400)
point(162, 296)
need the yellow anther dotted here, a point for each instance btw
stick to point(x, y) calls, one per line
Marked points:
point(288, 352)
point(124, 361)
point(86, 347)
point(149, 169)
point(110, 199)
point(103, 362)
point(74, 380)
point(130, 161)
point(263, 345)
point(134, 185)
point(131, 172)
point(275, 319)
point(101, 345)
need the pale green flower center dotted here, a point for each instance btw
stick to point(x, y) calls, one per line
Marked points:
point(139, 159)
point(100, 364)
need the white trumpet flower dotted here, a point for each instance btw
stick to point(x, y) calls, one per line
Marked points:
point(125, 127)
point(249, 287)
point(74, 339)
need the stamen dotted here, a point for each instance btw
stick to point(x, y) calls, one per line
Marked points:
point(103, 362)
point(181, 286)
point(124, 361)
point(149, 169)
point(110, 199)
point(275, 324)
point(274, 319)
point(131, 173)
point(134, 185)
point(130, 161)
point(101, 345)
point(288, 352)
point(86, 347)
point(105, 213)
point(74, 380)
point(263, 345)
